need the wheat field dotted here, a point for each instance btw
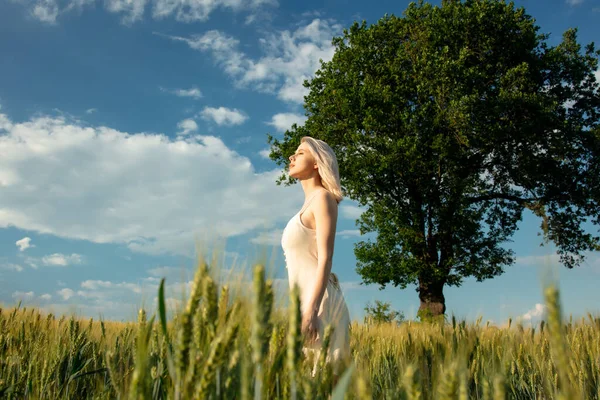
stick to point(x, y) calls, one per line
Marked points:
point(222, 345)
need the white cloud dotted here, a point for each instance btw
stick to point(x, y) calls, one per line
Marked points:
point(290, 57)
point(284, 121)
point(114, 310)
point(76, 5)
point(54, 260)
point(351, 211)
point(597, 75)
point(121, 300)
point(61, 260)
point(265, 153)
point(223, 47)
point(223, 116)
point(32, 262)
point(91, 110)
point(200, 10)
point(66, 293)
point(349, 233)
point(5, 125)
point(574, 2)
point(153, 193)
point(97, 284)
point(271, 238)
point(539, 311)
point(244, 139)
point(187, 126)
point(192, 92)
point(45, 11)
point(132, 10)
point(23, 295)
point(12, 267)
point(24, 243)
point(116, 300)
point(258, 3)
point(8, 178)
point(293, 57)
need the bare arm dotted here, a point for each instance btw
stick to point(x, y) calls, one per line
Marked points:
point(325, 212)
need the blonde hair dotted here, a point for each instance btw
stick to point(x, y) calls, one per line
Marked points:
point(328, 166)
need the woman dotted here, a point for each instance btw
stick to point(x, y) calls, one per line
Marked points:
point(308, 242)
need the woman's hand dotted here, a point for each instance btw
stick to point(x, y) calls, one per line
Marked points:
point(310, 326)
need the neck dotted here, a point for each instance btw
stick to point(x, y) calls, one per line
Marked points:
point(310, 185)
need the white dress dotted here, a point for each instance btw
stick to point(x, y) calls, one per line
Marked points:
point(299, 245)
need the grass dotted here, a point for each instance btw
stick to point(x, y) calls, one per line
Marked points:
point(223, 345)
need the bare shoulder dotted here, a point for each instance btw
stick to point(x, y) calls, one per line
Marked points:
point(326, 201)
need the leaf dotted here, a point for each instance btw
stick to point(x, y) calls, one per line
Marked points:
point(162, 313)
point(342, 386)
point(162, 309)
point(96, 371)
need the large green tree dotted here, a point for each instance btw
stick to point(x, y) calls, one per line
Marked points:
point(448, 123)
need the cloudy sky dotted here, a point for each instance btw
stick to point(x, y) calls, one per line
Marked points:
point(132, 132)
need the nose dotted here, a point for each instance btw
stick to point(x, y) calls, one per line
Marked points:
point(292, 157)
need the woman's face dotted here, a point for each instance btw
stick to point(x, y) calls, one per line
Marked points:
point(302, 163)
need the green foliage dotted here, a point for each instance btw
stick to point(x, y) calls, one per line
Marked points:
point(382, 313)
point(426, 315)
point(448, 123)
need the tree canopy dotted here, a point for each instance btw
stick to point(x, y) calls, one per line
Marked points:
point(448, 123)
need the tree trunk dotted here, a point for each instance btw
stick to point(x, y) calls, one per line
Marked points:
point(431, 294)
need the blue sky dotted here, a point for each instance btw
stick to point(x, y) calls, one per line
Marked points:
point(131, 130)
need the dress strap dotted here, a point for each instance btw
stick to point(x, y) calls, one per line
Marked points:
point(309, 200)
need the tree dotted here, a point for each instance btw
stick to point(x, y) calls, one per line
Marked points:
point(448, 123)
point(381, 313)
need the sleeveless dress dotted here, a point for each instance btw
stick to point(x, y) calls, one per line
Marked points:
point(299, 245)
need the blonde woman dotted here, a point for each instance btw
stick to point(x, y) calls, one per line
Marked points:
point(308, 242)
